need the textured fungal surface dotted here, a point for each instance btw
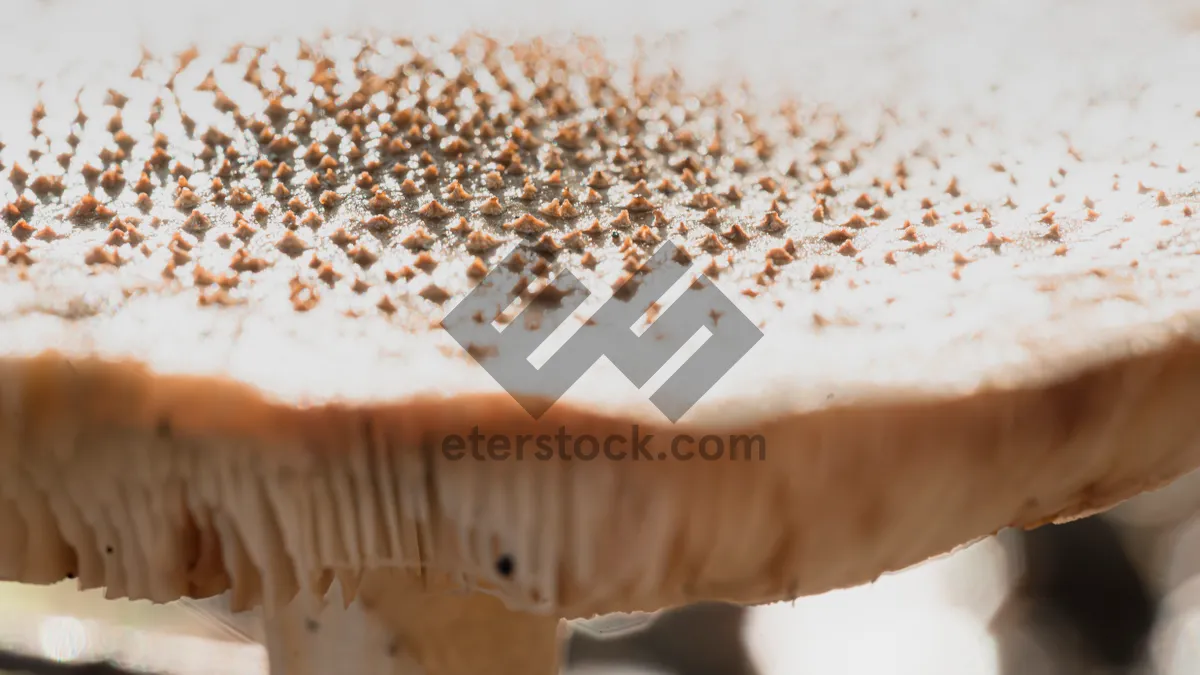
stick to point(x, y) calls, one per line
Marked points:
point(240, 259)
point(296, 185)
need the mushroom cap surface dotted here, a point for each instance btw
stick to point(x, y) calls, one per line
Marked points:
point(233, 374)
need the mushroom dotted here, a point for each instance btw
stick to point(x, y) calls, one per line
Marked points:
point(165, 438)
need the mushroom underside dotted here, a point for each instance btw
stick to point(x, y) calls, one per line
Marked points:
point(164, 511)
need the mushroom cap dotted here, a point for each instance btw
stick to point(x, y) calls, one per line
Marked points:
point(236, 396)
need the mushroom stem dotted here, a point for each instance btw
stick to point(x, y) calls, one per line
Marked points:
point(395, 626)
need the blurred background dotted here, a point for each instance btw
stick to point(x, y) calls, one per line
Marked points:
point(1114, 594)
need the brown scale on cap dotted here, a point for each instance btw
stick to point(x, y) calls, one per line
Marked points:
point(772, 223)
point(425, 262)
point(780, 256)
point(244, 261)
point(380, 223)
point(22, 230)
point(711, 243)
point(622, 221)
point(405, 273)
point(43, 186)
point(547, 245)
point(639, 205)
point(527, 224)
point(481, 242)
point(838, 236)
point(818, 213)
point(102, 255)
point(17, 175)
point(419, 239)
point(196, 222)
point(16, 255)
point(410, 188)
point(85, 209)
point(291, 244)
point(704, 201)
point(381, 202)
point(491, 207)
point(363, 256)
point(477, 269)
point(646, 236)
point(456, 193)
